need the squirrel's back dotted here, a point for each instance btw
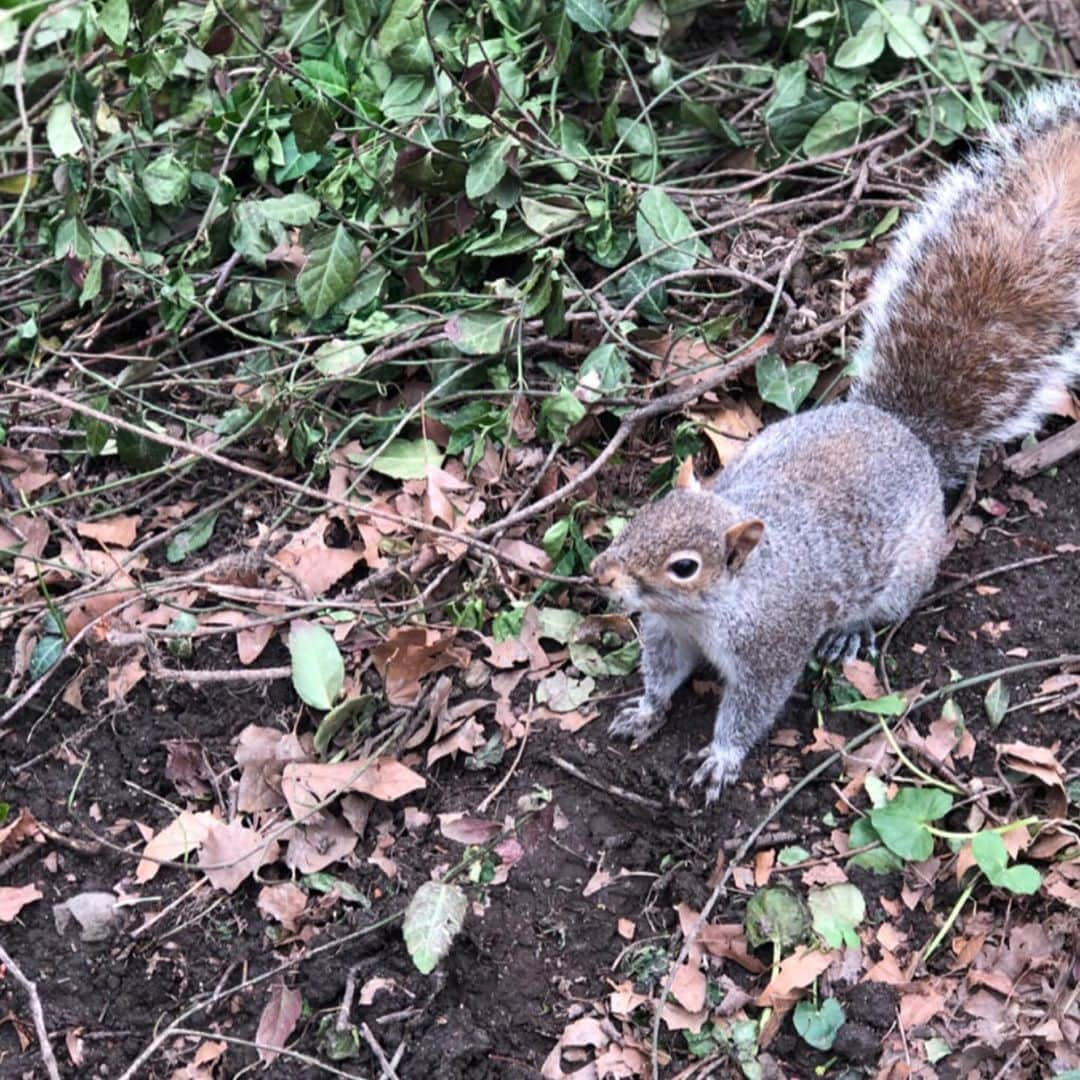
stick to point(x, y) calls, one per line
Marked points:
point(973, 322)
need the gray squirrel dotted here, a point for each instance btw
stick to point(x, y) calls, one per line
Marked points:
point(833, 520)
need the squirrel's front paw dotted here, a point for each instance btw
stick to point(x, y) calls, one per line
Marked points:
point(719, 767)
point(638, 721)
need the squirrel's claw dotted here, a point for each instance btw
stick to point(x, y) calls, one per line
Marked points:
point(846, 644)
point(637, 721)
point(719, 767)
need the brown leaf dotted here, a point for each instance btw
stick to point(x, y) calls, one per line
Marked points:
point(13, 898)
point(307, 784)
point(688, 987)
point(118, 531)
point(185, 766)
point(278, 1021)
point(319, 842)
point(795, 973)
point(232, 852)
point(409, 654)
point(862, 676)
point(1038, 761)
point(179, 838)
point(466, 829)
point(309, 560)
point(466, 739)
point(24, 827)
point(284, 902)
point(76, 1048)
point(729, 427)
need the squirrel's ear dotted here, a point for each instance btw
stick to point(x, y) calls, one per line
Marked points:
point(685, 478)
point(741, 540)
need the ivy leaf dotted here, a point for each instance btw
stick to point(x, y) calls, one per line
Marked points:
point(818, 1024)
point(785, 386)
point(114, 18)
point(559, 414)
point(166, 180)
point(477, 333)
point(318, 672)
point(432, 920)
point(405, 459)
point(666, 234)
point(331, 270)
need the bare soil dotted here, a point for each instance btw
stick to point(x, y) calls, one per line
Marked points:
point(534, 949)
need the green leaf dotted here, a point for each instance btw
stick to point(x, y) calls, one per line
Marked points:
point(318, 672)
point(837, 911)
point(888, 705)
point(840, 127)
point(604, 371)
point(60, 131)
point(666, 234)
point(776, 915)
point(992, 858)
point(593, 16)
point(190, 540)
point(331, 270)
point(339, 357)
point(785, 386)
point(166, 180)
point(790, 88)
point(327, 77)
point(358, 709)
point(818, 1024)
point(432, 920)
point(45, 654)
point(559, 413)
point(996, 702)
point(487, 168)
point(862, 49)
point(550, 218)
point(901, 824)
point(906, 37)
point(477, 333)
point(114, 18)
point(792, 856)
point(405, 459)
point(879, 860)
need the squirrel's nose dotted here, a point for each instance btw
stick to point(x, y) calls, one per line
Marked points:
point(605, 570)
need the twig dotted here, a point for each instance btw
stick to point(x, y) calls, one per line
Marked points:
point(388, 1071)
point(609, 789)
point(1049, 452)
point(971, 579)
point(509, 772)
point(36, 1012)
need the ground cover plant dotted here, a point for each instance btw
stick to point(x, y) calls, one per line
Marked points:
point(337, 339)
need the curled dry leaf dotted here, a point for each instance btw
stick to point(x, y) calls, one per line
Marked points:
point(95, 912)
point(17, 832)
point(466, 829)
point(308, 784)
point(13, 898)
point(232, 852)
point(465, 739)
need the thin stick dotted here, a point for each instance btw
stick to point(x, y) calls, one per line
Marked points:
point(36, 1012)
point(509, 772)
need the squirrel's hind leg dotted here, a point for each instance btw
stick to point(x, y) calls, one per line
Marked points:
point(666, 661)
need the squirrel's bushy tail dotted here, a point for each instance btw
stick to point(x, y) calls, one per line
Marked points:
point(973, 322)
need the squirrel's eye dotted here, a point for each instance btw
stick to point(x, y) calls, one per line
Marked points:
point(683, 569)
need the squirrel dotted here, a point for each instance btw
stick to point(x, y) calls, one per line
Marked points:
point(833, 520)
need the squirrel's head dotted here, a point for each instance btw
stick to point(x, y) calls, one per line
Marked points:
point(677, 555)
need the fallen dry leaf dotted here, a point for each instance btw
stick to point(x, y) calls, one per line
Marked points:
point(284, 902)
point(320, 841)
point(309, 784)
point(466, 829)
point(232, 852)
point(13, 898)
point(409, 654)
point(179, 838)
point(278, 1021)
point(118, 531)
point(795, 973)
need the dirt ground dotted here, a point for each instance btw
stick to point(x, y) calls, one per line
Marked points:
point(535, 950)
